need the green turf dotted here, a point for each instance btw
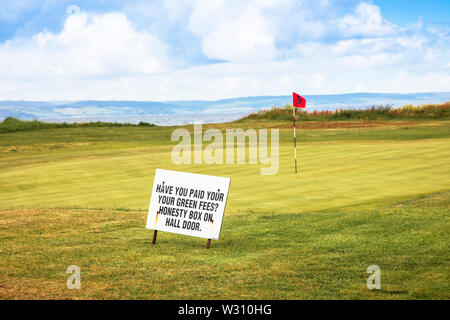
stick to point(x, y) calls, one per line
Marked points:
point(376, 195)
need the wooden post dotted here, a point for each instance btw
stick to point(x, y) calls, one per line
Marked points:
point(208, 243)
point(154, 236)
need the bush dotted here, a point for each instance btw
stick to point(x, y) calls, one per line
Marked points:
point(145, 124)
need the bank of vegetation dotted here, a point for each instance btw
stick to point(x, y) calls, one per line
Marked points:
point(11, 124)
point(407, 112)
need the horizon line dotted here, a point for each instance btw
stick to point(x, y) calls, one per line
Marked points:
point(222, 99)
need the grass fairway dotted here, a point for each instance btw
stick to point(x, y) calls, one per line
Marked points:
point(367, 193)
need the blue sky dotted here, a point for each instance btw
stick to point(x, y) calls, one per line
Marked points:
point(193, 49)
point(405, 12)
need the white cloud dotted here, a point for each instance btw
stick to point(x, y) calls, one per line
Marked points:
point(366, 21)
point(88, 45)
point(269, 48)
point(254, 30)
point(405, 81)
point(232, 31)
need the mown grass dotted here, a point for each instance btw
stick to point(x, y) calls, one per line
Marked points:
point(114, 167)
point(367, 193)
point(407, 112)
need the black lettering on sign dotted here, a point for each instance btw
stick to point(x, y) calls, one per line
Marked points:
point(171, 222)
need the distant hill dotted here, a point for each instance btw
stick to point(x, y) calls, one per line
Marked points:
point(177, 112)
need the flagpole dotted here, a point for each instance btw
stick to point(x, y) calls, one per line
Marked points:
point(295, 139)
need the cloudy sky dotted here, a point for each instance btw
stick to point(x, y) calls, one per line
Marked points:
point(195, 49)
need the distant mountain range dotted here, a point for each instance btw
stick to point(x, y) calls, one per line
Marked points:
point(228, 109)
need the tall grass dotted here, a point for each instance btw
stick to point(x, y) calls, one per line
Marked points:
point(11, 124)
point(407, 112)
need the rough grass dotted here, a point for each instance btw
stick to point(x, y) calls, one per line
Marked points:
point(12, 124)
point(370, 194)
point(408, 112)
point(314, 255)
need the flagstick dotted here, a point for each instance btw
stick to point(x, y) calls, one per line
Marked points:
point(295, 139)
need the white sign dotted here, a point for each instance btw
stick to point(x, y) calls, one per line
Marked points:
point(188, 203)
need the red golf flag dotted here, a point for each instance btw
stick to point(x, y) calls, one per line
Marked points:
point(298, 101)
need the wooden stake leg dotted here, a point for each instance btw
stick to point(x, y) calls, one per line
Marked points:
point(154, 236)
point(208, 243)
